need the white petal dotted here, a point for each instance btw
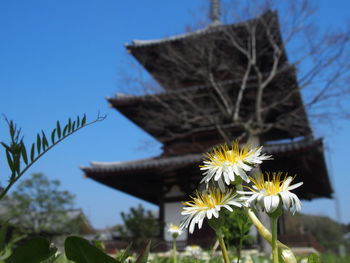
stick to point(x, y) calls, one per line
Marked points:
point(218, 174)
point(245, 192)
point(200, 221)
point(294, 186)
point(235, 203)
point(229, 208)
point(221, 185)
point(285, 199)
point(235, 169)
point(268, 203)
point(209, 214)
point(226, 177)
point(244, 166)
point(191, 229)
point(215, 213)
point(287, 182)
point(231, 174)
point(275, 202)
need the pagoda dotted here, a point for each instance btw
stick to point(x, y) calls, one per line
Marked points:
point(168, 179)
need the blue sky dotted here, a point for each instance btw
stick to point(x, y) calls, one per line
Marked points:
point(59, 59)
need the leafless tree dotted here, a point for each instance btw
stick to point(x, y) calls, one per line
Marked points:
point(244, 79)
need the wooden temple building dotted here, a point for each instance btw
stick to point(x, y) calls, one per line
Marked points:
point(168, 179)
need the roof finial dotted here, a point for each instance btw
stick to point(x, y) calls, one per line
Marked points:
point(215, 12)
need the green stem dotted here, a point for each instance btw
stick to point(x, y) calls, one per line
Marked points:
point(174, 250)
point(239, 249)
point(274, 239)
point(286, 252)
point(223, 248)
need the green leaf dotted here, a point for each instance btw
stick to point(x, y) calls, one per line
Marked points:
point(44, 140)
point(313, 258)
point(80, 250)
point(38, 143)
point(65, 129)
point(6, 146)
point(33, 251)
point(3, 231)
point(58, 126)
point(53, 136)
point(10, 161)
point(69, 125)
point(256, 259)
point(99, 244)
point(126, 253)
point(83, 121)
point(143, 257)
point(24, 153)
point(73, 125)
point(78, 121)
point(32, 152)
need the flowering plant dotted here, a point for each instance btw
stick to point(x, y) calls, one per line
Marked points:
point(225, 169)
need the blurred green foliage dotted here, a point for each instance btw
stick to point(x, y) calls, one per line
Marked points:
point(37, 206)
point(327, 232)
point(236, 228)
point(139, 225)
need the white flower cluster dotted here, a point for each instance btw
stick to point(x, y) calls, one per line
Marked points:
point(222, 167)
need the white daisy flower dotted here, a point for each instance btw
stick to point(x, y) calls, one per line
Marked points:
point(206, 205)
point(175, 230)
point(223, 164)
point(267, 194)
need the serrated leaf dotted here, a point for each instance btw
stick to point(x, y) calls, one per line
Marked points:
point(33, 251)
point(83, 121)
point(24, 153)
point(38, 144)
point(58, 126)
point(53, 136)
point(44, 140)
point(73, 125)
point(78, 121)
point(80, 250)
point(32, 152)
point(143, 257)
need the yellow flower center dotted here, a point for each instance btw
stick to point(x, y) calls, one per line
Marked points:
point(174, 227)
point(224, 155)
point(271, 186)
point(206, 200)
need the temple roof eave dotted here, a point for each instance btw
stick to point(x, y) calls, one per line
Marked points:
point(137, 43)
point(310, 168)
point(159, 161)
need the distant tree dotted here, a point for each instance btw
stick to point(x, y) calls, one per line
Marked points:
point(139, 226)
point(327, 231)
point(38, 206)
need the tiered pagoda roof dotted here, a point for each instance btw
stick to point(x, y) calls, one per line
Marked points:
point(300, 154)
